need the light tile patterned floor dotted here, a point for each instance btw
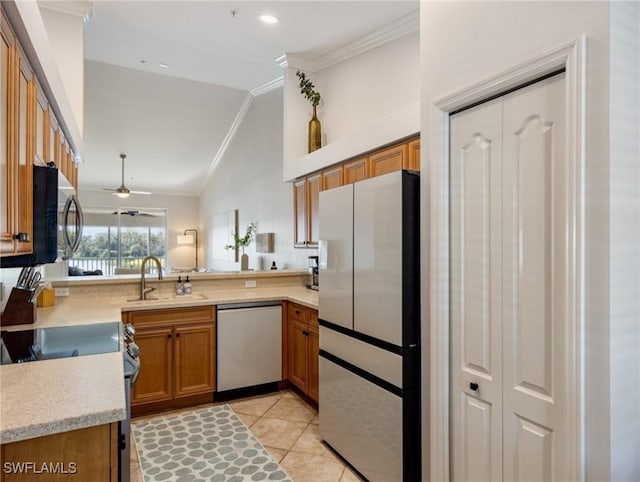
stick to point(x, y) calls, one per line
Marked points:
point(288, 428)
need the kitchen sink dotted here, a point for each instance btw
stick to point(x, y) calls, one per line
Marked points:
point(166, 299)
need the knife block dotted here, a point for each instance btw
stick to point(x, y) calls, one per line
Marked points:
point(19, 311)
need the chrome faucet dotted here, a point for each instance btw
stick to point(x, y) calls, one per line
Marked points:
point(143, 288)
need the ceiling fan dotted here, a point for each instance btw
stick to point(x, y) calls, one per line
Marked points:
point(123, 191)
point(133, 212)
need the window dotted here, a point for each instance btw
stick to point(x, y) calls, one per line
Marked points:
point(116, 241)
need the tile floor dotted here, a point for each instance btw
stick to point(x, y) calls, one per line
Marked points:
point(288, 428)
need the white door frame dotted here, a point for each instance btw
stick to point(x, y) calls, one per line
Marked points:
point(572, 58)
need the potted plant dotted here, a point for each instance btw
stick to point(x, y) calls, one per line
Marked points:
point(243, 242)
point(308, 90)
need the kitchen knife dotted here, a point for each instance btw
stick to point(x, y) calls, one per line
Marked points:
point(34, 280)
point(22, 278)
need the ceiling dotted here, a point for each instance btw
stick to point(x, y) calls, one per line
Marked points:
point(171, 121)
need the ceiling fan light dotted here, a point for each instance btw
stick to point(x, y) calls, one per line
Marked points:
point(122, 195)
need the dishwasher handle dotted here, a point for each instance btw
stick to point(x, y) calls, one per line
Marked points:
point(253, 304)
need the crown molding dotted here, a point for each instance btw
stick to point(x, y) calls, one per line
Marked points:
point(235, 125)
point(268, 86)
point(79, 8)
point(397, 29)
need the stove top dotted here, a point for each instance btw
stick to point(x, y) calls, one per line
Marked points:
point(60, 342)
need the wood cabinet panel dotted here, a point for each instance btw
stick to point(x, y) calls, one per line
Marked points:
point(298, 354)
point(332, 177)
point(389, 160)
point(414, 155)
point(41, 127)
point(194, 359)
point(25, 155)
point(300, 213)
point(313, 362)
point(93, 451)
point(313, 214)
point(356, 170)
point(7, 178)
point(155, 382)
point(303, 348)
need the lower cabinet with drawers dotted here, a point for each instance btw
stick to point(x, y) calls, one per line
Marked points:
point(177, 357)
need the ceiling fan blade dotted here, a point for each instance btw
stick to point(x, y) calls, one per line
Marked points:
point(140, 192)
point(109, 189)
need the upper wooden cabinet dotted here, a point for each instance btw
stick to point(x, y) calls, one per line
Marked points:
point(306, 199)
point(356, 170)
point(414, 155)
point(389, 160)
point(17, 145)
point(332, 177)
point(29, 135)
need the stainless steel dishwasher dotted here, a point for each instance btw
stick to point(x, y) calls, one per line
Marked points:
point(249, 348)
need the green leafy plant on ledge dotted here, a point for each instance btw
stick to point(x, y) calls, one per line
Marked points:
point(243, 241)
point(308, 89)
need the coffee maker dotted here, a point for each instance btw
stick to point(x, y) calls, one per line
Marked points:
point(313, 273)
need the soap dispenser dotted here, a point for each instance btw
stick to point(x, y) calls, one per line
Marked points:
point(179, 287)
point(187, 287)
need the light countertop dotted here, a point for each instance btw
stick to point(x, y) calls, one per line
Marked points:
point(59, 395)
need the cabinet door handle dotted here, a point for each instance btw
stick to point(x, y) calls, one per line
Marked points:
point(305, 333)
point(297, 312)
point(21, 237)
point(474, 386)
point(169, 336)
point(177, 335)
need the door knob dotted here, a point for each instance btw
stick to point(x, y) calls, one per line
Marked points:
point(474, 386)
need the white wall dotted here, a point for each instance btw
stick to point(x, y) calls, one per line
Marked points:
point(182, 213)
point(624, 270)
point(364, 101)
point(462, 43)
point(66, 35)
point(249, 178)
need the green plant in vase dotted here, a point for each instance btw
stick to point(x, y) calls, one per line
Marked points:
point(243, 242)
point(313, 96)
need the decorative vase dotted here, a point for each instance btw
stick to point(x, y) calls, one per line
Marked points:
point(315, 133)
point(244, 262)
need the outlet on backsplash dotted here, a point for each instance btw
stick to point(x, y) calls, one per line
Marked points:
point(62, 292)
point(250, 283)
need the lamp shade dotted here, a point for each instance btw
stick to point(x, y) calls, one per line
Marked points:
point(185, 239)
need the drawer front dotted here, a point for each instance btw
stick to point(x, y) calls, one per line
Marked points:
point(298, 312)
point(172, 315)
point(313, 319)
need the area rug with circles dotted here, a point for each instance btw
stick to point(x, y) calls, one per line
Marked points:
point(210, 444)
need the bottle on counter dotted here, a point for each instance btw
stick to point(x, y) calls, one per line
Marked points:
point(273, 265)
point(187, 287)
point(179, 287)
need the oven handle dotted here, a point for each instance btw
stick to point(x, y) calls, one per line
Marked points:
point(72, 246)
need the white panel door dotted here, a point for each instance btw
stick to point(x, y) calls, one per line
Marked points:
point(534, 277)
point(335, 297)
point(476, 357)
point(377, 257)
point(509, 248)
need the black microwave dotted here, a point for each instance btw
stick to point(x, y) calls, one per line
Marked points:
point(45, 221)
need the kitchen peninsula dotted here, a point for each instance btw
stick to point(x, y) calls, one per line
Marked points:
point(97, 391)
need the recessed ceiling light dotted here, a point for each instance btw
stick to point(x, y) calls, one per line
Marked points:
point(164, 66)
point(268, 19)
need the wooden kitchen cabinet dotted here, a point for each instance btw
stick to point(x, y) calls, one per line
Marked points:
point(414, 155)
point(177, 357)
point(356, 170)
point(303, 348)
point(389, 160)
point(332, 177)
point(155, 382)
point(306, 200)
point(17, 146)
point(93, 451)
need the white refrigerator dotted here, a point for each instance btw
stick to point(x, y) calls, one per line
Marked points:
point(369, 311)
